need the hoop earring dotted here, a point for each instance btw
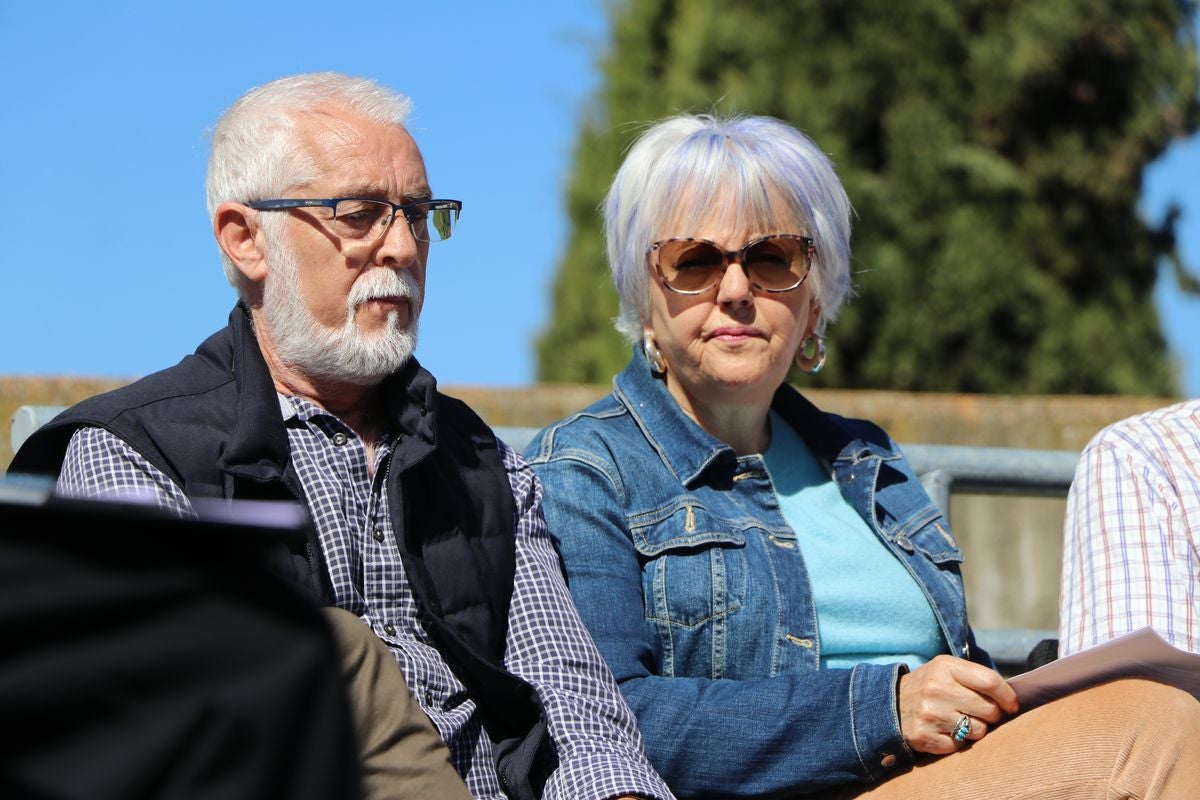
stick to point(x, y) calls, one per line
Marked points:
point(658, 364)
point(811, 363)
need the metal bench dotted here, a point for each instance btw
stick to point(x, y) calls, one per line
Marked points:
point(943, 470)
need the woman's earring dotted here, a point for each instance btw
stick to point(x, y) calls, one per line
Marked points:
point(811, 363)
point(658, 364)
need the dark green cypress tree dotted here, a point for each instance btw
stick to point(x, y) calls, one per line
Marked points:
point(993, 150)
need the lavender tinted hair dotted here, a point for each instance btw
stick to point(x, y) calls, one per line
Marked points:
point(679, 166)
point(256, 148)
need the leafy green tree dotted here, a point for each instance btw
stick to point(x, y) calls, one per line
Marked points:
point(993, 150)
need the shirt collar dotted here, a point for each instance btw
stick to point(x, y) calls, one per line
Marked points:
point(687, 449)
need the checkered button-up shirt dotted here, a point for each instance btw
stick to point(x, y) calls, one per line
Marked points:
point(1131, 549)
point(592, 729)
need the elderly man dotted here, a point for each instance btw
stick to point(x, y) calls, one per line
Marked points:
point(426, 526)
point(1131, 548)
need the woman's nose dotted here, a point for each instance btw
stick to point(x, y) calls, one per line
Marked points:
point(735, 289)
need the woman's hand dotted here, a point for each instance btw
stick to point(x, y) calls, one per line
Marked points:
point(936, 695)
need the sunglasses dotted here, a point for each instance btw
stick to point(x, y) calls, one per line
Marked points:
point(776, 263)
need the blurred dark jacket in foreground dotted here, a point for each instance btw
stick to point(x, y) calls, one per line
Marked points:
point(145, 656)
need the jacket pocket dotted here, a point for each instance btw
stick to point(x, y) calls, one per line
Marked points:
point(928, 533)
point(694, 564)
point(937, 559)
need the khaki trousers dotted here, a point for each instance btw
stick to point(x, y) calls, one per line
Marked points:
point(1129, 738)
point(402, 754)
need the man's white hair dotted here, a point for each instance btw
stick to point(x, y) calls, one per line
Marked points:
point(256, 148)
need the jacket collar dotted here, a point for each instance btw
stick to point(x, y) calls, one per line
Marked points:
point(685, 448)
point(258, 446)
point(689, 451)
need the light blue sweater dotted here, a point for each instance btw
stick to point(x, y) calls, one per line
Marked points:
point(869, 608)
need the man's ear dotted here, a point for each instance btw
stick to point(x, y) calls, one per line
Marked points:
point(238, 235)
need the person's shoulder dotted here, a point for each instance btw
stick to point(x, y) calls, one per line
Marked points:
point(465, 434)
point(1155, 441)
point(1184, 416)
point(186, 393)
point(208, 369)
point(830, 433)
point(457, 414)
point(862, 429)
point(1154, 432)
point(593, 429)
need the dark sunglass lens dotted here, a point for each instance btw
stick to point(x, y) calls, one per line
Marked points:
point(691, 266)
point(776, 263)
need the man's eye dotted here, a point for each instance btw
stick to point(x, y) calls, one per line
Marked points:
point(360, 215)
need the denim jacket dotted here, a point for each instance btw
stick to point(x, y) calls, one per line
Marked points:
point(693, 586)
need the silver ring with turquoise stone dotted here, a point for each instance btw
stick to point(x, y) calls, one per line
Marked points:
point(961, 729)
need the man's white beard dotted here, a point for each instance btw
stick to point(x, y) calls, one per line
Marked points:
point(344, 354)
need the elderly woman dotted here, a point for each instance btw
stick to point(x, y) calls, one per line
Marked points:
point(777, 596)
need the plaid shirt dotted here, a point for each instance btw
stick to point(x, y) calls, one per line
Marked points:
point(1131, 552)
point(594, 734)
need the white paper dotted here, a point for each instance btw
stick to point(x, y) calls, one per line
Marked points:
point(1143, 653)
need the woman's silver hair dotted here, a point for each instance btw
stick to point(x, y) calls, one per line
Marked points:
point(257, 152)
point(681, 166)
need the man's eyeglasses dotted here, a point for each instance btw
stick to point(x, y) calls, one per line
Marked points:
point(776, 263)
point(364, 220)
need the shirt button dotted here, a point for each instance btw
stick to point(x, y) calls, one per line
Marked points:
point(389, 629)
point(377, 534)
point(340, 438)
point(887, 761)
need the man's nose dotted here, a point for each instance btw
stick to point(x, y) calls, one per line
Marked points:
point(398, 247)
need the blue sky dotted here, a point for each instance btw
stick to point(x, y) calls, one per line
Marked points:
point(110, 268)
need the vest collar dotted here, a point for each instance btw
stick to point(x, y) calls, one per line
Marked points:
point(258, 444)
point(410, 402)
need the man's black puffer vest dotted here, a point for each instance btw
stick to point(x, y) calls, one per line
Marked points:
point(213, 424)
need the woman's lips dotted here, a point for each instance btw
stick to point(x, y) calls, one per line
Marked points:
point(735, 333)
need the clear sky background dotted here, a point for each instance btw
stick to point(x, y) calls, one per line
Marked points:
point(108, 263)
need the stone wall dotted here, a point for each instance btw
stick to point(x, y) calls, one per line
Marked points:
point(1013, 546)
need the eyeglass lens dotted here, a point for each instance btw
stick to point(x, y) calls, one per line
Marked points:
point(368, 220)
point(778, 263)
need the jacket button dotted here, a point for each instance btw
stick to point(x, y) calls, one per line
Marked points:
point(888, 761)
point(340, 438)
point(377, 534)
point(389, 629)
